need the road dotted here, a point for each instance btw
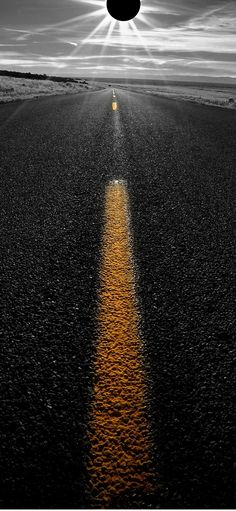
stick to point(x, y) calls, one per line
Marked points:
point(177, 162)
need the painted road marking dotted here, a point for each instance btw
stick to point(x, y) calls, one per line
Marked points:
point(119, 433)
point(114, 105)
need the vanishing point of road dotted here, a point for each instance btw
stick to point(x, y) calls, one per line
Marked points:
point(117, 310)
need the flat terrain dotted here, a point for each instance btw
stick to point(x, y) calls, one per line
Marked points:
point(220, 95)
point(13, 89)
point(57, 156)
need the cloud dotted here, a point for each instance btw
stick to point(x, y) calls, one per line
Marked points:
point(185, 36)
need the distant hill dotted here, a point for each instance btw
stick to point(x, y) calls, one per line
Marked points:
point(173, 80)
point(33, 76)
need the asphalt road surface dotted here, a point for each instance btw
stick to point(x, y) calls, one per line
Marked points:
point(177, 160)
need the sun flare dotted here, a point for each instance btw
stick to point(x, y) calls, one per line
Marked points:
point(92, 34)
point(106, 27)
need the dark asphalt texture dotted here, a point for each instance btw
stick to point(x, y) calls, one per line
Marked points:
point(179, 159)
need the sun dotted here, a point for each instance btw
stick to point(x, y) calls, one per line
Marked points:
point(122, 10)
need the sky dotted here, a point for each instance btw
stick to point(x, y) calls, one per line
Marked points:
point(167, 39)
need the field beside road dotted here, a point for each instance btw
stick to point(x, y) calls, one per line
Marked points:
point(223, 96)
point(219, 95)
point(12, 88)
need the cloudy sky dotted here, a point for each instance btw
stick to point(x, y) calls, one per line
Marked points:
point(168, 38)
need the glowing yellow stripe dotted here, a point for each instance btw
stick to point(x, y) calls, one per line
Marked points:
point(114, 105)
point(119, 434)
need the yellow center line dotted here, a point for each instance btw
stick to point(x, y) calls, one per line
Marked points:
point(120, 459)
point(114, 105)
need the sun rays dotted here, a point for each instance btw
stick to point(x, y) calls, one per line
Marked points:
point(93, 36)
point(107, 32)
point(98, 28)
point(80, 38)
